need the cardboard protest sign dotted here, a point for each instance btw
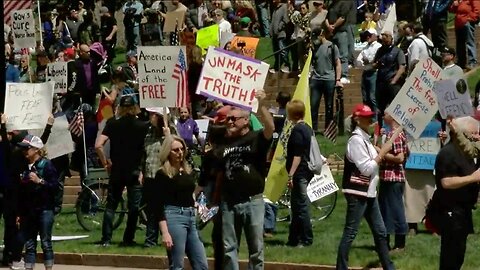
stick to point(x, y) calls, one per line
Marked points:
point(155, 73)
point(321, 185)
point(60, 140)
point(453, 98)
point(208, 36)
point(424, 150)
point(173, 21)
point(28, 105)
point(57, 73)
point(416, 103)
point(248, 45)
point(232, 78)
point(23, 28)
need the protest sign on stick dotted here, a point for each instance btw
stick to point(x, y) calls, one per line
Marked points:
point(23, 28)
point(453, 98)
point(232, 78)
point(208, 36)
point(57, 73)
point(248, 45)
point(424, 150)
point(155, 70)
point(416, 103)
point(171, 21)
point(28, 105)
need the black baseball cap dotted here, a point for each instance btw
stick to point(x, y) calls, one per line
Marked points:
point(449, 50)
point(127, 101)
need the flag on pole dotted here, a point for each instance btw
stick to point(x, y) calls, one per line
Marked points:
point(277, 177)
point(180, 74)
point(175, 37)
point(11, 5)
point(332, 129)
point(76, 125)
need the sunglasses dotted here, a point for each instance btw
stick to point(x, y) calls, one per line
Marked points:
point(318, 4)
point(177, 150)
point(233, 118)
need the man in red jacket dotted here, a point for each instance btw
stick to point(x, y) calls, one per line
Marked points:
point(466, 17)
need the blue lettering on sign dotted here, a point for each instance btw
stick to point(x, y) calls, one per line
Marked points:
point(421, 161)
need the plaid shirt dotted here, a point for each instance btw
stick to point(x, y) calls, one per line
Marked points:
point(151, 157)
point(391, 172)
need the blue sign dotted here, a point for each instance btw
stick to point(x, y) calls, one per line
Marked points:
point(424, 150)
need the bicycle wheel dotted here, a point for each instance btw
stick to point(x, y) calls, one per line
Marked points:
point(323, 208)
point(90, 206)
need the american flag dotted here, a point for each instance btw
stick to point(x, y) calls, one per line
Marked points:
point(180, 74)
point(76, 125)
point(175, 37)
point(332, 130)
point(11, 5)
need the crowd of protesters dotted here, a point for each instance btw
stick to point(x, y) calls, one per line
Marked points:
point(148, 151)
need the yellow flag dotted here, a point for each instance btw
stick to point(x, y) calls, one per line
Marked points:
point(277, 175)
point(208, 36)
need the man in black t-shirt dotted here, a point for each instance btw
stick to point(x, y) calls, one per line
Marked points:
point(108, 31)
point(127, 137)
point(242, 197)
point(456, 178)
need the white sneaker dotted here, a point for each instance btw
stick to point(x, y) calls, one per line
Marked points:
point(344, 80)
point(273, 71)
point(285, 70)
point(18, 265)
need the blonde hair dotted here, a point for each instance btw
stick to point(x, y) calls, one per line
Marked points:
point(245, 4)
point(165, 150)
point(131, 110)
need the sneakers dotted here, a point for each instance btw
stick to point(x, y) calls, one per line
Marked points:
point(103, 243)
point(344, 80)
point(273, 71)
point(18, 265)
point(285, 70)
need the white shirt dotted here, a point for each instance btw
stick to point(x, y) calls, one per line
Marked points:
point(224, 26)
point(418, 49)
point(368, 53)
point(362, 153)
point(452, 72)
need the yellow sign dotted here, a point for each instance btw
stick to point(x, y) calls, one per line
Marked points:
point(248, 45)
point(208, 36)
point(277, 175)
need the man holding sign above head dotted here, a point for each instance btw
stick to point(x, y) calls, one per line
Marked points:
point(244, 156)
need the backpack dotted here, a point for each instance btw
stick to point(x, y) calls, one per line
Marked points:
point(433, 52)
point(315, 158)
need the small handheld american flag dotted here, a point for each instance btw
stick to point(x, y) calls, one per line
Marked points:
point(180, 74)
point(76, 125)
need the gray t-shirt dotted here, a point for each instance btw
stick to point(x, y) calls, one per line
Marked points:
point(323, 68)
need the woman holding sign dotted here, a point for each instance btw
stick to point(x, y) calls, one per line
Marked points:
point(360, 179)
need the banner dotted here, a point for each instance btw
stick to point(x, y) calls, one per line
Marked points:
point(232, 78)
point(453, 98)
point(23, 29)
point(416, 103)
point(277, 177)
point(60, 140)
point(173, 20)
point(424, 150)
point(248, 45)
point(321, 185)
point(156, 75)
point(208, 36)
point(28, 105)
point(57, 73)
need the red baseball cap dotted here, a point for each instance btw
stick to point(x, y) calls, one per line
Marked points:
point(222, 114)
point(362, 110)
point(70, 52)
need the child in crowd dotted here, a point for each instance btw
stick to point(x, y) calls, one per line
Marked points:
point(368, 23)
point(187, 127)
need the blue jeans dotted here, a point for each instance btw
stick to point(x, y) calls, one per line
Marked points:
point(249, 217)
point(134, 196)
point(40, 223)
point(369, 83)
point(390, 199)
point(282, 57)
point(466, 46)
point(270, 217)
point(341, 40)
point(183, 230)
point(263, 19)
point(317, 89)
point(358, 207)
point(300, 231)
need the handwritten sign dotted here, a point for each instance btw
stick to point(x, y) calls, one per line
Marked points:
point(173, 21)
point(248, 45)
point(321, 185)
point(416, 103)
point(23, 28)
point(155, 71)
point(57, 72)
point(453, 98)
point(60, 140)
point(28, 105)
point(208, 36)
point(232, 78)
point(424, 150)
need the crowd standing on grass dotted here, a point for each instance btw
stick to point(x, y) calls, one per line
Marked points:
point(149, 151)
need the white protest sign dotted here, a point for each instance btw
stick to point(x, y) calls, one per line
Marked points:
point(416, 103)
point(57, 72)
point(202, 127)
point(59, 141)
point(28, 105)
point(321, 185)
point(155, 72)
point(23, 28)
point(232, 78)
point(453, 98)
